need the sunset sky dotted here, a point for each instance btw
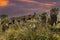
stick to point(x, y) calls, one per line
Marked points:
point(24, 7)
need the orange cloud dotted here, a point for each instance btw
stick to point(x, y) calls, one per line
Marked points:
point(3, 2)
point(47, 4)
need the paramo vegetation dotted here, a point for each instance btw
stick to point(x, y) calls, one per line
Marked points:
point(30, 27)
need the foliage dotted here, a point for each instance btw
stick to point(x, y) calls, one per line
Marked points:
point(26, 31)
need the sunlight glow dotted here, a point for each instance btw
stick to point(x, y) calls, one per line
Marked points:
point(3, 2)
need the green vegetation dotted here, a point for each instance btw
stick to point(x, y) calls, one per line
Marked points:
point(31, 29)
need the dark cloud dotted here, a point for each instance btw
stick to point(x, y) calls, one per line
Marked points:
point(23, 7)
point(47, 0)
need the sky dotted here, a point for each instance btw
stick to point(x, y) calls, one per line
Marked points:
point(25, 7)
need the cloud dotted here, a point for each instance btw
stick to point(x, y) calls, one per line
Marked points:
point(25, 0)
point(47, 0)
point(21, 7)
point(38, 3)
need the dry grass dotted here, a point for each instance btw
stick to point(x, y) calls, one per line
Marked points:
point(25, 32)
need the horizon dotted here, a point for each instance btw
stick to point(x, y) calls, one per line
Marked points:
point(25, 7)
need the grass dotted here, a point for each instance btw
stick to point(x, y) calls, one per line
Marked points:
point(25, 32)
